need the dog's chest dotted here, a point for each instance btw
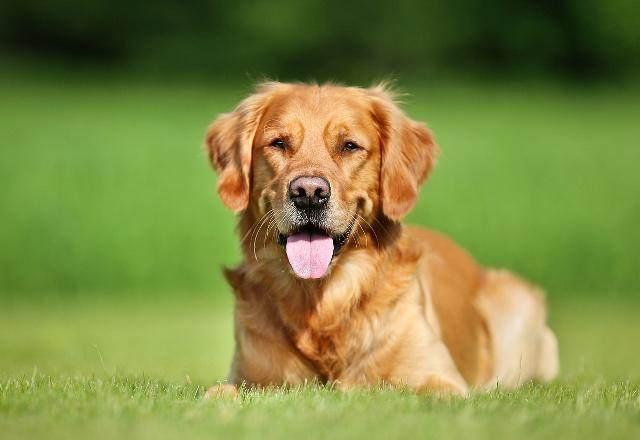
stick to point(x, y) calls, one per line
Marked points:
point(324, 350)
point(331, 351)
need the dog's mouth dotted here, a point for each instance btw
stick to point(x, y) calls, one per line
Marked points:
point(311, 249)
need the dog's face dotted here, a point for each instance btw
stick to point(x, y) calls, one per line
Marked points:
point(316, 161)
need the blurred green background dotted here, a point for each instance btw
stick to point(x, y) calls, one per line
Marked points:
point(330, 38)
point(113, 311)
point(104, 187)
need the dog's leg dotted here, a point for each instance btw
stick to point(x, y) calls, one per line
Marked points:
point(523, 347)
point(222, 391)
point(422, 362)
point(442, 387)
point(548, 363)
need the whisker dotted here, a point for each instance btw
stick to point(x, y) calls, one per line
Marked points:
point(266, 234)
point(246, 235)
point(272, 222)
point(255, 237)
point(252, 228)
point(366, 237)
point(356, 222)
point(370, 227)
point(382, 225)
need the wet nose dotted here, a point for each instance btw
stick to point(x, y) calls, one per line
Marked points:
point(309, 192)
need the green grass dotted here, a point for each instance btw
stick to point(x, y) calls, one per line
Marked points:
point(138, 369)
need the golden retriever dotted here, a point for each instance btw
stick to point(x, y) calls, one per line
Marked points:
point(333, 287)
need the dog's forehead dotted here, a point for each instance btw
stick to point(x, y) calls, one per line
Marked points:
point(319, 105)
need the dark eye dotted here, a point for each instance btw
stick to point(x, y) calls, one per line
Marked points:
point(279, 144)
point(350, 146)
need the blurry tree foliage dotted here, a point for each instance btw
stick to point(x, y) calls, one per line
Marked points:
point(330, 38)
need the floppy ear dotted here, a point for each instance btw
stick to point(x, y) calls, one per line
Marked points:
point(408, 154)
point(229, 142)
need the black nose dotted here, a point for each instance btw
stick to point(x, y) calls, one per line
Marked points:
point(309, 192)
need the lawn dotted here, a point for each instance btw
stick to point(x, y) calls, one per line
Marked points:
point(114, 316)
point(138, 369)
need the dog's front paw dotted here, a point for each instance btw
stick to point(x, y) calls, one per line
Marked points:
point(442, 387)
point(222, 391)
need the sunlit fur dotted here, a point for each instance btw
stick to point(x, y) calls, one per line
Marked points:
point(399, 305)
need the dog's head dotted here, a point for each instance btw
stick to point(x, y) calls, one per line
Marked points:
point(315, 162)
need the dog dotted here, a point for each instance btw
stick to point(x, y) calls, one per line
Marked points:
point(334, 288)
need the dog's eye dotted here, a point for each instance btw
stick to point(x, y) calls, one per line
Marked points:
point(279, 144)
point(350, 146)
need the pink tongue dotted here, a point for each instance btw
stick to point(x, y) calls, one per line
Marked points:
point(309, 254)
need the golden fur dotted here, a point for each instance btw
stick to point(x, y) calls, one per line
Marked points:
point(399, 305)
